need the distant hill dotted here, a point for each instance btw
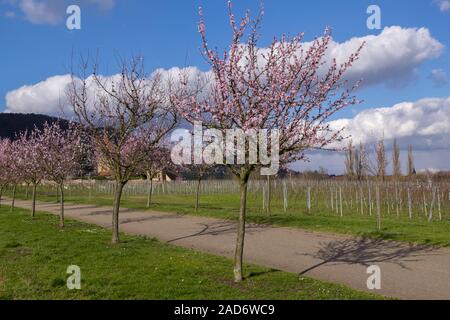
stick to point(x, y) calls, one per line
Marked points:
point(11, 124)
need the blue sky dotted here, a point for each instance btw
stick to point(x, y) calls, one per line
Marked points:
point(165, 32)
point(36, 45)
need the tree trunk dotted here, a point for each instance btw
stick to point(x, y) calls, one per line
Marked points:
point(239, 253)
point(26, 191)
point(197, 194)
point(150, 192)
point(1, 194)
point(61, 214)
point(33, 201)
point(13, 203)
point(115, 218)
point(269, 191)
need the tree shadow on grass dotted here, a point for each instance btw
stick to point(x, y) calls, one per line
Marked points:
point(367, 251)
point(261, 273)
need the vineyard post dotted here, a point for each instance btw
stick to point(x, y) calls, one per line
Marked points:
point(378, 208)
point(397, 200)
point(361, 194)
point(337, 201)
point(430, 216)
point(439, 204)
point(308, 201)
point(409, 204)
point(332, 198)
point(285, 198)
point(425, 206)
point(263, 198)
point(268, 195)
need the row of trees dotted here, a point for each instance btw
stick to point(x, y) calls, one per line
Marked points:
point(359, 165)
point(289, 87)
point(53, 154)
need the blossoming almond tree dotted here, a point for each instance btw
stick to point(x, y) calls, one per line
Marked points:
point(29, 160)
point(125, 116)
point(198, 171)
point(15, 174)
point(156, 162)
point(5, 172)
point(287, 87)
point(61, 153)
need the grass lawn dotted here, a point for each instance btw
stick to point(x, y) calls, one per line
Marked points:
point(35, 254)
point(226, 206)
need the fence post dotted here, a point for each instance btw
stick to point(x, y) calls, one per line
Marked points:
point(378, 208)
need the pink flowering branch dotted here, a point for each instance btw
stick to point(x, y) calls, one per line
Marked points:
point(125, 117)
point(60, 155)
point(288, 86)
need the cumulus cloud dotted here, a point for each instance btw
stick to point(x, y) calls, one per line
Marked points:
point(54, 11)
point(424, 124)
point(392, 57)
point(388, 57)
point(49, 96)
point(44, 97)
point(438, 77)
point(334, 162)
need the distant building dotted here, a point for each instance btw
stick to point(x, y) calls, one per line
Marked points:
point(166, 176)
point(163, 175)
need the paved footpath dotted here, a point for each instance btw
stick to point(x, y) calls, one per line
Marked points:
point(407, 271)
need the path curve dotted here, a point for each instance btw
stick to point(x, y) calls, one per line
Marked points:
point(407, 271)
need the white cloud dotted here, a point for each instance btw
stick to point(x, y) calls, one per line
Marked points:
point(334, 162)
point(43, 12)
point(49, 96)
point(392, 57)
point(424, 124)
point(438, 77)
point(387, 57)
point(44, 97)
point(444, 5)
point(54, 11)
